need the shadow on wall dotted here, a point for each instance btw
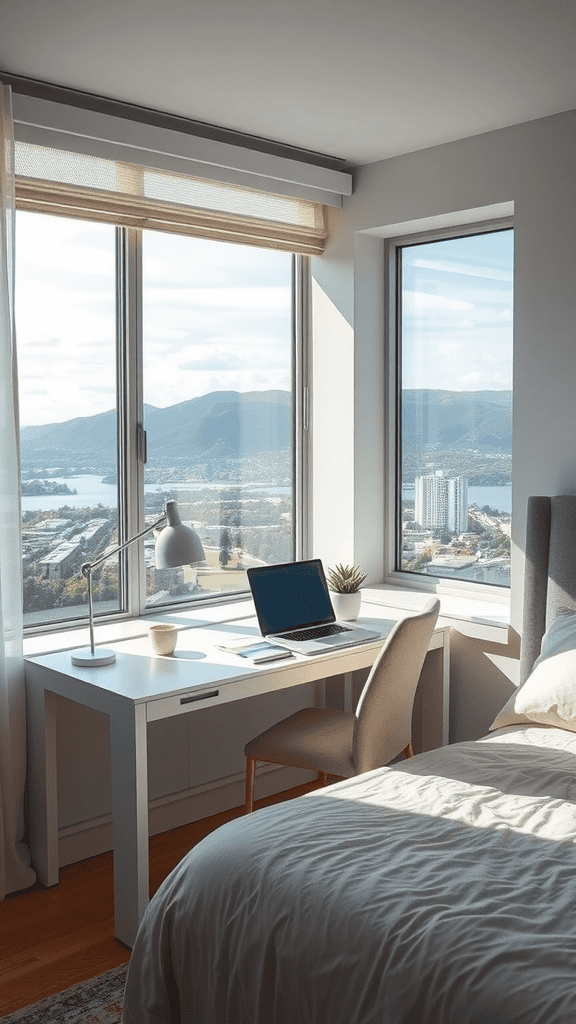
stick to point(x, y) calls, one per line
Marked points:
point(483, 675)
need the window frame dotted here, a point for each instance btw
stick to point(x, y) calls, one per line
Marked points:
point(130, 425)
point(393, 576)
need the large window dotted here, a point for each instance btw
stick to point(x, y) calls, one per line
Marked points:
point(454, 406)
point(121, 331)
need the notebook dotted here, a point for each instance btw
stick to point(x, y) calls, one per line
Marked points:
point(294, 609)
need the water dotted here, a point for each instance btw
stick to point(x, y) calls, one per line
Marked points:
point(499, 498)
point(92, 492)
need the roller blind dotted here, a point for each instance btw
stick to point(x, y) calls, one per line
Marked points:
point(70, 184)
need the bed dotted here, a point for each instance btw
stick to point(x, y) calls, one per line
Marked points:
point(441, 890)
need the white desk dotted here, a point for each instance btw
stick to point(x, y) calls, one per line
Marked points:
point(141, 687)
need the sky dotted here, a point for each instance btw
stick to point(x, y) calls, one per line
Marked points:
point(457, 313)
point(217, 316)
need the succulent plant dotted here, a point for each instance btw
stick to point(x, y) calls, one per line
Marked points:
point(345, 579)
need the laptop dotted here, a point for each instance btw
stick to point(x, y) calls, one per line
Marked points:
point(295, 611)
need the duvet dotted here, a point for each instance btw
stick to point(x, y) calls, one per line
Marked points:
point(438, 891)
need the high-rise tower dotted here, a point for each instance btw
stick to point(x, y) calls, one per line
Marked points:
point(441, 502)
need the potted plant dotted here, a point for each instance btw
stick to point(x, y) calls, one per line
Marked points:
point(344, 582)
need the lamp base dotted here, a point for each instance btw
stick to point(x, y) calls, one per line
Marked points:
point(85, 657)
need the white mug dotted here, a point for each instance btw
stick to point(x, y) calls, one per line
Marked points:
point(163, 636)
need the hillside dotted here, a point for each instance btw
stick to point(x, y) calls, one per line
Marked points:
point(228, 424)
point(221, 424)
point(479, 420)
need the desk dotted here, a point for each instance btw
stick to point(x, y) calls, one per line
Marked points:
point(141, 687)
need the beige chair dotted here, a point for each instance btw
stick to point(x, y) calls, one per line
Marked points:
point(345, 744)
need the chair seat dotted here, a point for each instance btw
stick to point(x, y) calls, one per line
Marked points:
point(316, 738)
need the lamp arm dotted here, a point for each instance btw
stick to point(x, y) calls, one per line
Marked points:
point(88, 568)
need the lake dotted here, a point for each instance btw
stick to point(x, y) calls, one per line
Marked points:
point(92, 492)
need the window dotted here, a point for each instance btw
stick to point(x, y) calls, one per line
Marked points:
point(219, 411)
point(454, 406)
point(192, 340)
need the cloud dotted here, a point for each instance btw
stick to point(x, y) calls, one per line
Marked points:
point(79, 298)
point(468, 269)
point(272, 297)
point(203, 262)
point(456, 350)
point(63, 313)
point(40, 345)
point(483, 380)
point(71, 258)
point(157, 331)
point(416, 302)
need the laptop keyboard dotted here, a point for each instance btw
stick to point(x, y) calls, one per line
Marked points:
point(315, 632)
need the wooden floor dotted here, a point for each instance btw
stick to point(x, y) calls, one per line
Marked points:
point(52, 938)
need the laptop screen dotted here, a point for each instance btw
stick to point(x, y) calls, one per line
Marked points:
point(290, 596)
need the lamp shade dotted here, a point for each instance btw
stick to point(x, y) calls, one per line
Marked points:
point(177, 544)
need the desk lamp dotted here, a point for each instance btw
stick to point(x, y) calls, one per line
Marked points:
point(176, 545)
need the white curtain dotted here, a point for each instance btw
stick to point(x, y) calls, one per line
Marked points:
point(15, 872)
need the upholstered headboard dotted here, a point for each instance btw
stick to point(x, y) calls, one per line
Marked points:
point(550, 570)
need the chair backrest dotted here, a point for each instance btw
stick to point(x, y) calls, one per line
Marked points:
point(383, 722)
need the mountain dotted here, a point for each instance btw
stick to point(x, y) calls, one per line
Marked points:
point(224, 423)
point(481, 420)
point(221, 424)
point(229, 423)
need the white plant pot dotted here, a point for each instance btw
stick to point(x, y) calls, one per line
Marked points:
point(346, 606)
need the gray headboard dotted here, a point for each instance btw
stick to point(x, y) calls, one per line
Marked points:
point(550, 572)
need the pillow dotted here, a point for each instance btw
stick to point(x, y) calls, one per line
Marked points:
point(548, 696)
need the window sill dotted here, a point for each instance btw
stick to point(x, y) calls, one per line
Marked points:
point(482, 619)
point(131, 629)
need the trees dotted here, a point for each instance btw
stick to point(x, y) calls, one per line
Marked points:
point(425, 556)
point(225, 547)
point(39, 594)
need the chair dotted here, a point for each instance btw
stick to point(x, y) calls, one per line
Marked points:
point(345, 744)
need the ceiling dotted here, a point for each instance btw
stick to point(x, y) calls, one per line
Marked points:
point(359, 80)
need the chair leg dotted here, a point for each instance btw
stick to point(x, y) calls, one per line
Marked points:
point(250, 771)
point(323, 778)
point(408, 750)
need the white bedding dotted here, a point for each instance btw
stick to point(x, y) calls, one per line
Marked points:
point(440, 891)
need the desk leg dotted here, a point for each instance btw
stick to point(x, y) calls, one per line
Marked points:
point(129, 774)
point(446, 689)
point(348, 680)
point(42, 787)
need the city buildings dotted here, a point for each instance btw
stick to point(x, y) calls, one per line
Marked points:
point(441, 502)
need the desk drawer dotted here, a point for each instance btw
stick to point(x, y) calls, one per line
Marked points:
point(209, 695)
point(167, 707)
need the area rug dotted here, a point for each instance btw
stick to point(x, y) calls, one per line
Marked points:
point(95, 1001)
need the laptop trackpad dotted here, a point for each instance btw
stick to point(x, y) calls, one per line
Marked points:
point(340, 639)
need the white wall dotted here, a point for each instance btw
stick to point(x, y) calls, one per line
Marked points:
point(529, 168)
